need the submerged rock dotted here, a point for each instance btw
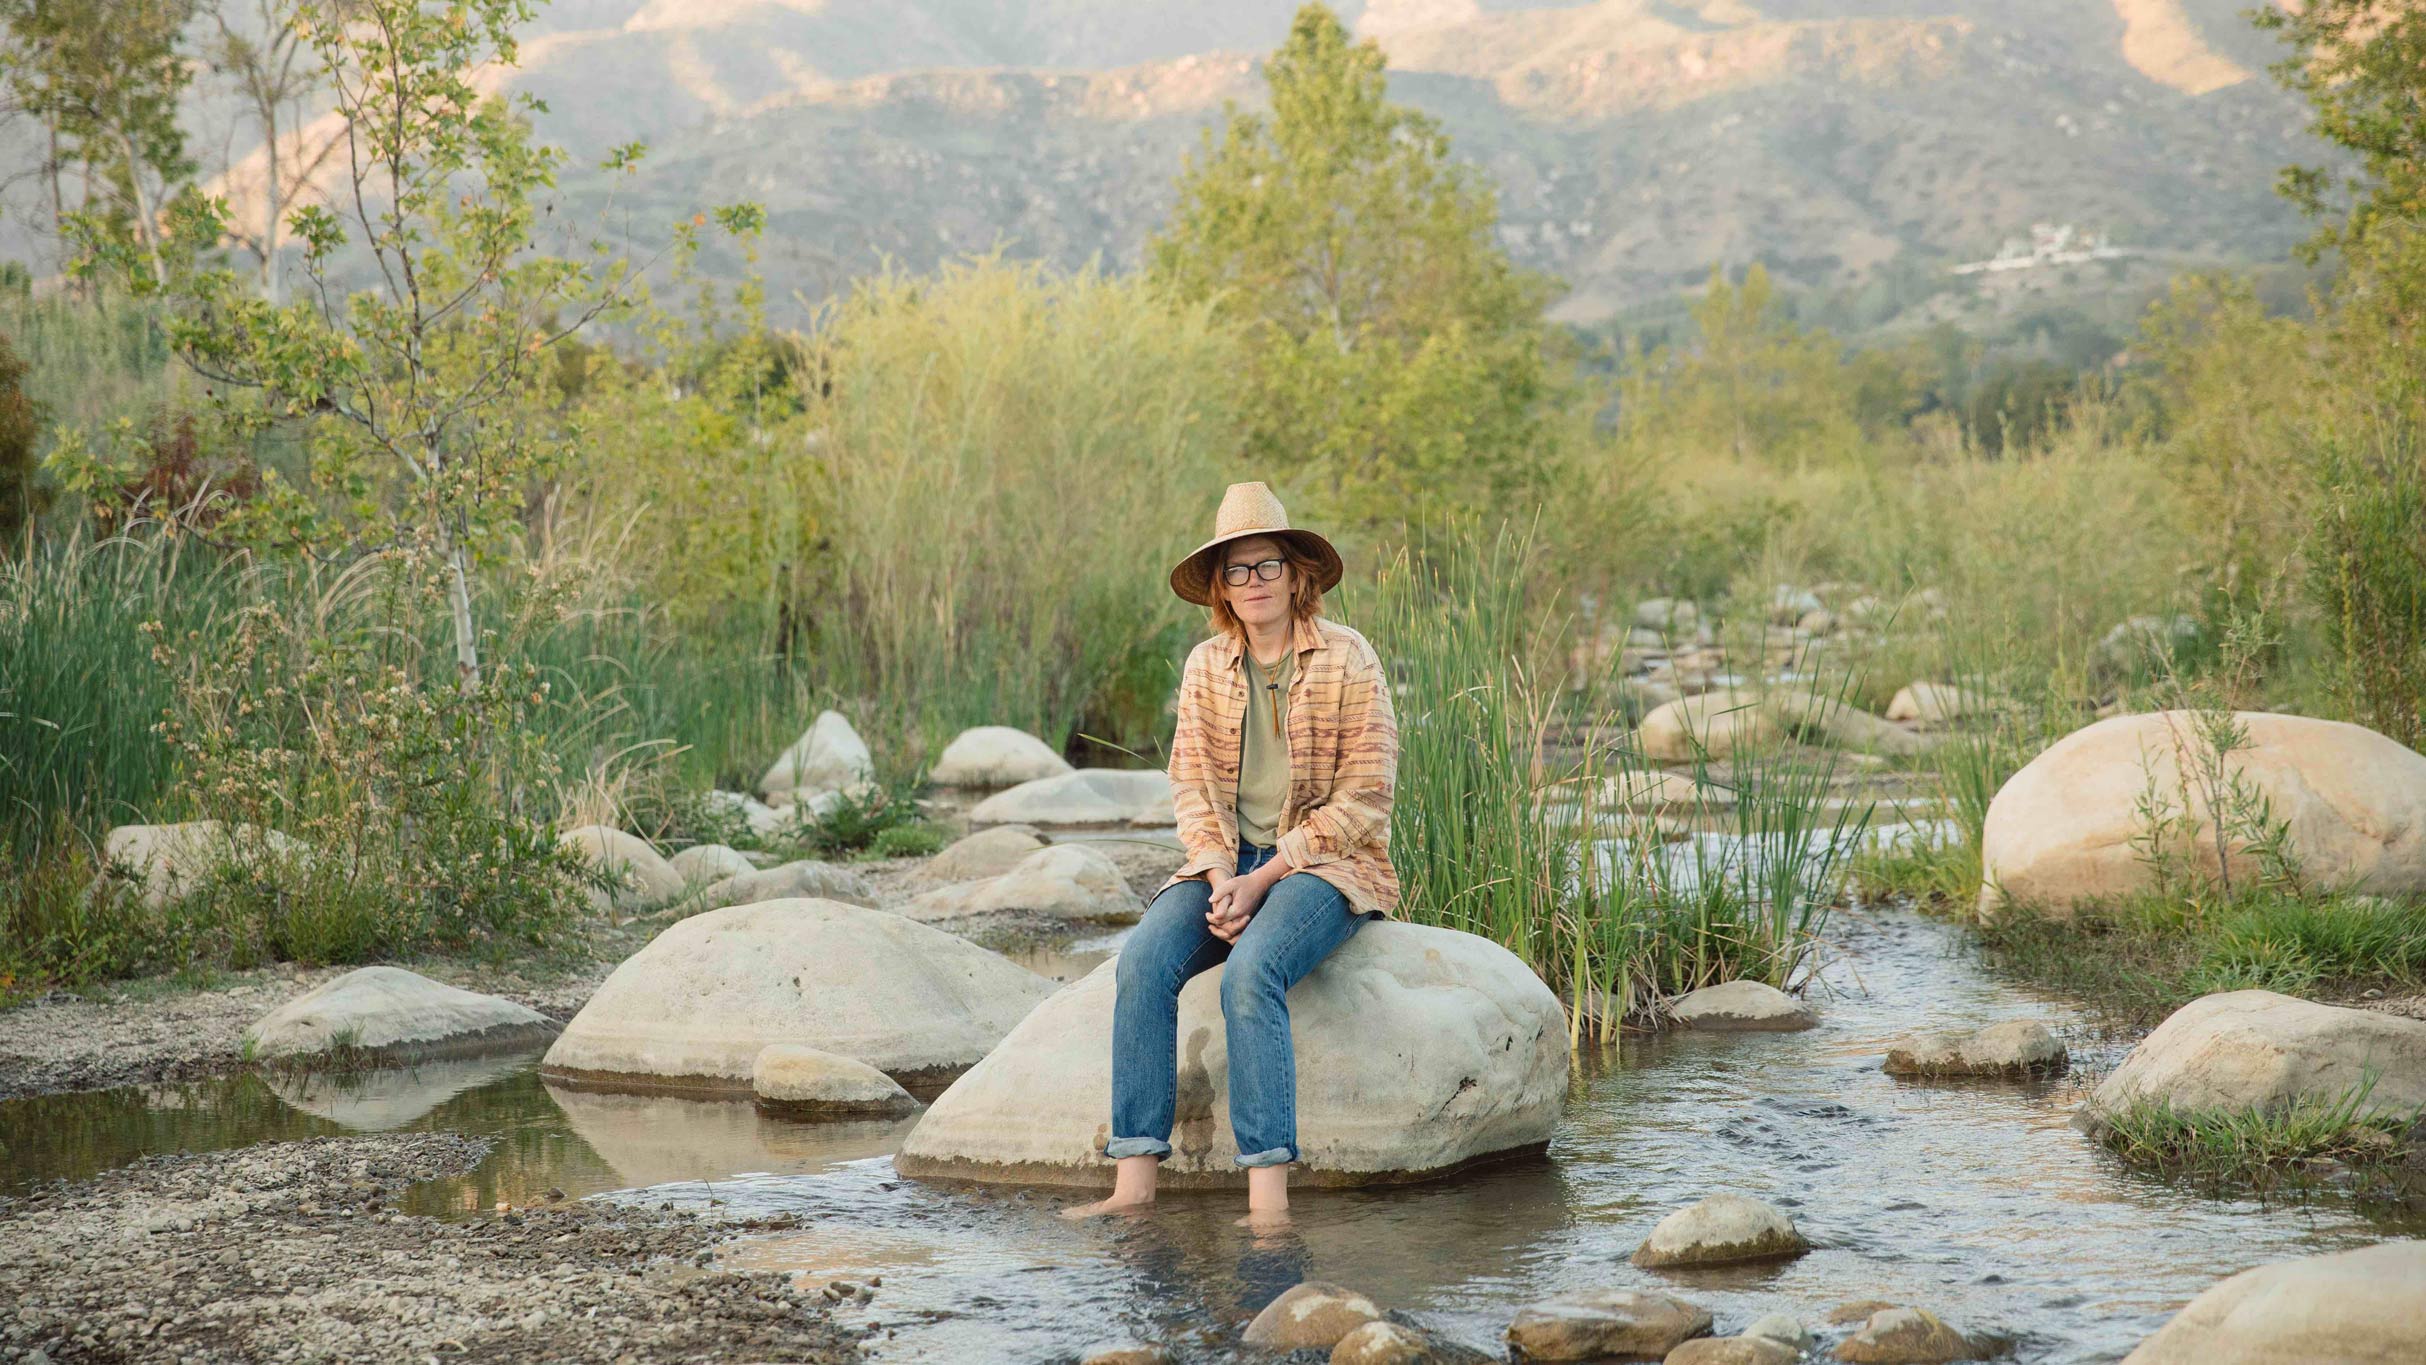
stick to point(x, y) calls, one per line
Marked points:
point(2015, 1047)
point(1418, 1049)
point(648, 878)
point(1084, 796)
point(1906, 1336)
point(1780, 1327)
point(1742, 1007)
point(828, 757)
point(2363, 1307)
point(389, 1010)
point(1743, 1350)
point(797, 1081)
point(1592, 1324)
point(1396, 1343)
point(2250, 1051)
point(2068, 829)
point(996, 756)
point(691, 1012)
point(987, 853)
point(1065, 881)
point(1721, 1230)
point(1130, 1354)
point(1312, 1315)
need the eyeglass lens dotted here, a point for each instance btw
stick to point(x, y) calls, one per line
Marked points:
point(1236, 574)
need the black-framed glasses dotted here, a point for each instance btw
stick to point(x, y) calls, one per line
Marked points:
point(1236, 574)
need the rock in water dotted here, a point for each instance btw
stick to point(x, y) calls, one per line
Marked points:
point(2016, 1047)
point(996, 756)
point(1085, 796)
point(1596, 1323)
point(1742, 1007)
point(691, 1012)
point(391, 1011)
point(2066, 829)
point(805, 878)
point(1065, 881)
point(2363, 1307)
point(795, 1081)
point(702, 863)
point(1310, 1316)
point(1419, 1050)
point(2248, 1051)
point(1743, 1350)
point(1906, 1336)
point(171, 861)
point(1130, 1355)
point(1779, 1327)
point(829, 757)
point(987, 853)
point(1395, 1343)
point(648, 879)
point(1720, 1230)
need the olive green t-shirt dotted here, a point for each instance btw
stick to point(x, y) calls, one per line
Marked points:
point(1263, 759)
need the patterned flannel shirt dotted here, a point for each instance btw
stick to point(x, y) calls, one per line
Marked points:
point(1343, 762)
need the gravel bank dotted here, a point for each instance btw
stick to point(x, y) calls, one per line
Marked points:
point(286, 1252)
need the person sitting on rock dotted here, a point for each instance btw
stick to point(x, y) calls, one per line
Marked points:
point(1281, 773)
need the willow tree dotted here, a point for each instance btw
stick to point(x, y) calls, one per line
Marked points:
point(1397, 353)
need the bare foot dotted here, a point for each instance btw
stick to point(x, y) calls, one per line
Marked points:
point(1265, 1220)
point(1115, 1204)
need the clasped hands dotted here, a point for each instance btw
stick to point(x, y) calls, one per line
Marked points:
point(1236, 898)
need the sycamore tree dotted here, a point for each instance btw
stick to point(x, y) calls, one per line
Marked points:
point(416, 397)
point(1397, 354)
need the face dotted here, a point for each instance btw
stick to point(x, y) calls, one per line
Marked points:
point(1256, 601)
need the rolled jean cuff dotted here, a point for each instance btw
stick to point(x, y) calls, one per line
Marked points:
point(1277, 1156)
point(1118, 1148)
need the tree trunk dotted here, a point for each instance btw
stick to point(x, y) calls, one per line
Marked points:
point(269, 228)
point(459, 602)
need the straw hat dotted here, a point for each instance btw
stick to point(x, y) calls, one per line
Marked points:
point(1250, 509)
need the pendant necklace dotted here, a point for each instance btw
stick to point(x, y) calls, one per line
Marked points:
point(1272, 685)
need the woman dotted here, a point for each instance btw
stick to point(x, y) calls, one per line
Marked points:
point(1281, 773)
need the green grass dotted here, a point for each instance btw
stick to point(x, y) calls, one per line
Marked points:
point(2141, 959)
point(2264, 1149)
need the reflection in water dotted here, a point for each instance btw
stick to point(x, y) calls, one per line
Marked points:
point(1978, 1200)
point(391, 1097)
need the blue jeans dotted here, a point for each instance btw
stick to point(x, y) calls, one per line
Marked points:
point(1301, 920)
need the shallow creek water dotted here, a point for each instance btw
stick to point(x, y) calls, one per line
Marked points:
point(1978, 1201)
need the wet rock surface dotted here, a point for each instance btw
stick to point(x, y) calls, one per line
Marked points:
point(1721, 1230)
point(2013, 1049)
point(289, 1251)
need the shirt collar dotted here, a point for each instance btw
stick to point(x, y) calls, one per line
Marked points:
point(1304, 638)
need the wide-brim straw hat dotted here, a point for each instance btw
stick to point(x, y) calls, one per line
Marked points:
point(1251, 509)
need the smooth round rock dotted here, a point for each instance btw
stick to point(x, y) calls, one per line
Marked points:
point(1419, 1050)
point(702, 863)
point(1905, 1336)
point(2067, 829)
point(1781, 1327)
point(1084, 796)
point(389, 1010)
point(1590, 1324)
point(803, 878)
point(690, 1012)
point(2363, 1307)
point(648, 878)
point(1718, 723)
point(987, 853)
point(1396, 1343)
point(828, 757)
point(171, 861)
point(1933, 703)
point(2248, 1051)
point(798, 1081)
point(995, 756)
point(1062, 881)
point(1721, 1230)
point(1312, 1315)
point(2012, 1048)
point(1742, 1007)
point(1744, 1350)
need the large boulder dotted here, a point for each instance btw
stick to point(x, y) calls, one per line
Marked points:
point(805, 877)
point(2067, 828)
point(1063, 881)
point(1717, 723)
point(2363, 1307)
point(647, 879)
point(987, 853)
point(2246, 1051)
point(1419, 1050)
point(691, 1012)
point(167, 862)
point(390, 1011)
point(1083, 796)
point(828, 758)
point(996, 756)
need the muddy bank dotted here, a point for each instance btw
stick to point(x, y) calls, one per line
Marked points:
point(291, 1252)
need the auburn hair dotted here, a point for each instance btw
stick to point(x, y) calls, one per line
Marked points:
point(1305, 594)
